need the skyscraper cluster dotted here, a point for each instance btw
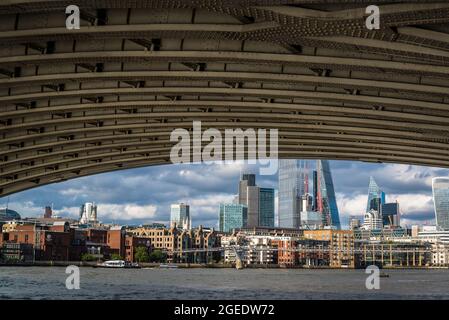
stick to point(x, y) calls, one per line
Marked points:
point(253, 207)
point(302, 206)
point(380, 214)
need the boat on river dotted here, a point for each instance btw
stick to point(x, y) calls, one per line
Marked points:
point(118, 264)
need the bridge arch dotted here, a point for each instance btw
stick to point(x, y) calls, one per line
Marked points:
point(107, 96)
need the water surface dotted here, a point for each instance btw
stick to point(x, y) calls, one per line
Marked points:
point(49, 283)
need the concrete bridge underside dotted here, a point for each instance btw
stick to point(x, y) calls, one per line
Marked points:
point(107, 96)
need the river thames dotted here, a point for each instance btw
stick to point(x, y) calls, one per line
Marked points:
point(49, 283)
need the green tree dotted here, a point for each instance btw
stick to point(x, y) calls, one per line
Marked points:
point(88, 257)
point(158, 256)
point(141, 254)
point(116, 256)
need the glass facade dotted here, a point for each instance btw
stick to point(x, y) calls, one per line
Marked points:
point(266, 207)
point(232, 216)
point(391, 214)
point(8, 214)
point(179, 214)
point(374, 192)
point(330, 214)
point(291, 189)
point(440, 187)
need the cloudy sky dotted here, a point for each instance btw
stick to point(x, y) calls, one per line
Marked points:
point(144, 195)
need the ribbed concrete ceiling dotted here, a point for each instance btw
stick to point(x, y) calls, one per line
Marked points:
point(107, 96)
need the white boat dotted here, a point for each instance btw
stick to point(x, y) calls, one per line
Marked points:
point(112, 264)
point(117, 264)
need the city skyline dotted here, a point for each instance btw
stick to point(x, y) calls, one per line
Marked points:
point(208, 185)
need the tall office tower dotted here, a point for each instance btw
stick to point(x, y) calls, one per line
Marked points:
point(315, 191)
point(250, 178)
point(232, 216)
point(88, 213)
point(327, 203)
point(180, 215)
point(247, 180)
point(292, 185)
point(266, 207)
point(440, 188)
point(374, 192)
point(48, 212)
point(249, 197)
point(391, 215)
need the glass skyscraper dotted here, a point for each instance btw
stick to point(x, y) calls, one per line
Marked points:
point(391, 215)
point(374, 192)
point(440, 188)
point(180, 214)
point(291, 189)
point(294, 184)
point(266, 207)
point(232, 216)
point(328, 202)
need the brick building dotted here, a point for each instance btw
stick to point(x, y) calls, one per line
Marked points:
point(174, 239)
point(341, 246)
point(132, 242)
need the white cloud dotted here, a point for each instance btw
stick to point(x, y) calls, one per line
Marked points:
point(413, 204)
point(68, 212)
point(125, 211)
point(351, 206)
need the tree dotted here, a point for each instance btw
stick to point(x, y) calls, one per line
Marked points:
point(116, 256)
point(158, 256)
point(88, 257)
point(141, 254)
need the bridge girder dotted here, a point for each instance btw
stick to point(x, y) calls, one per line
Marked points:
point(106, 97)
